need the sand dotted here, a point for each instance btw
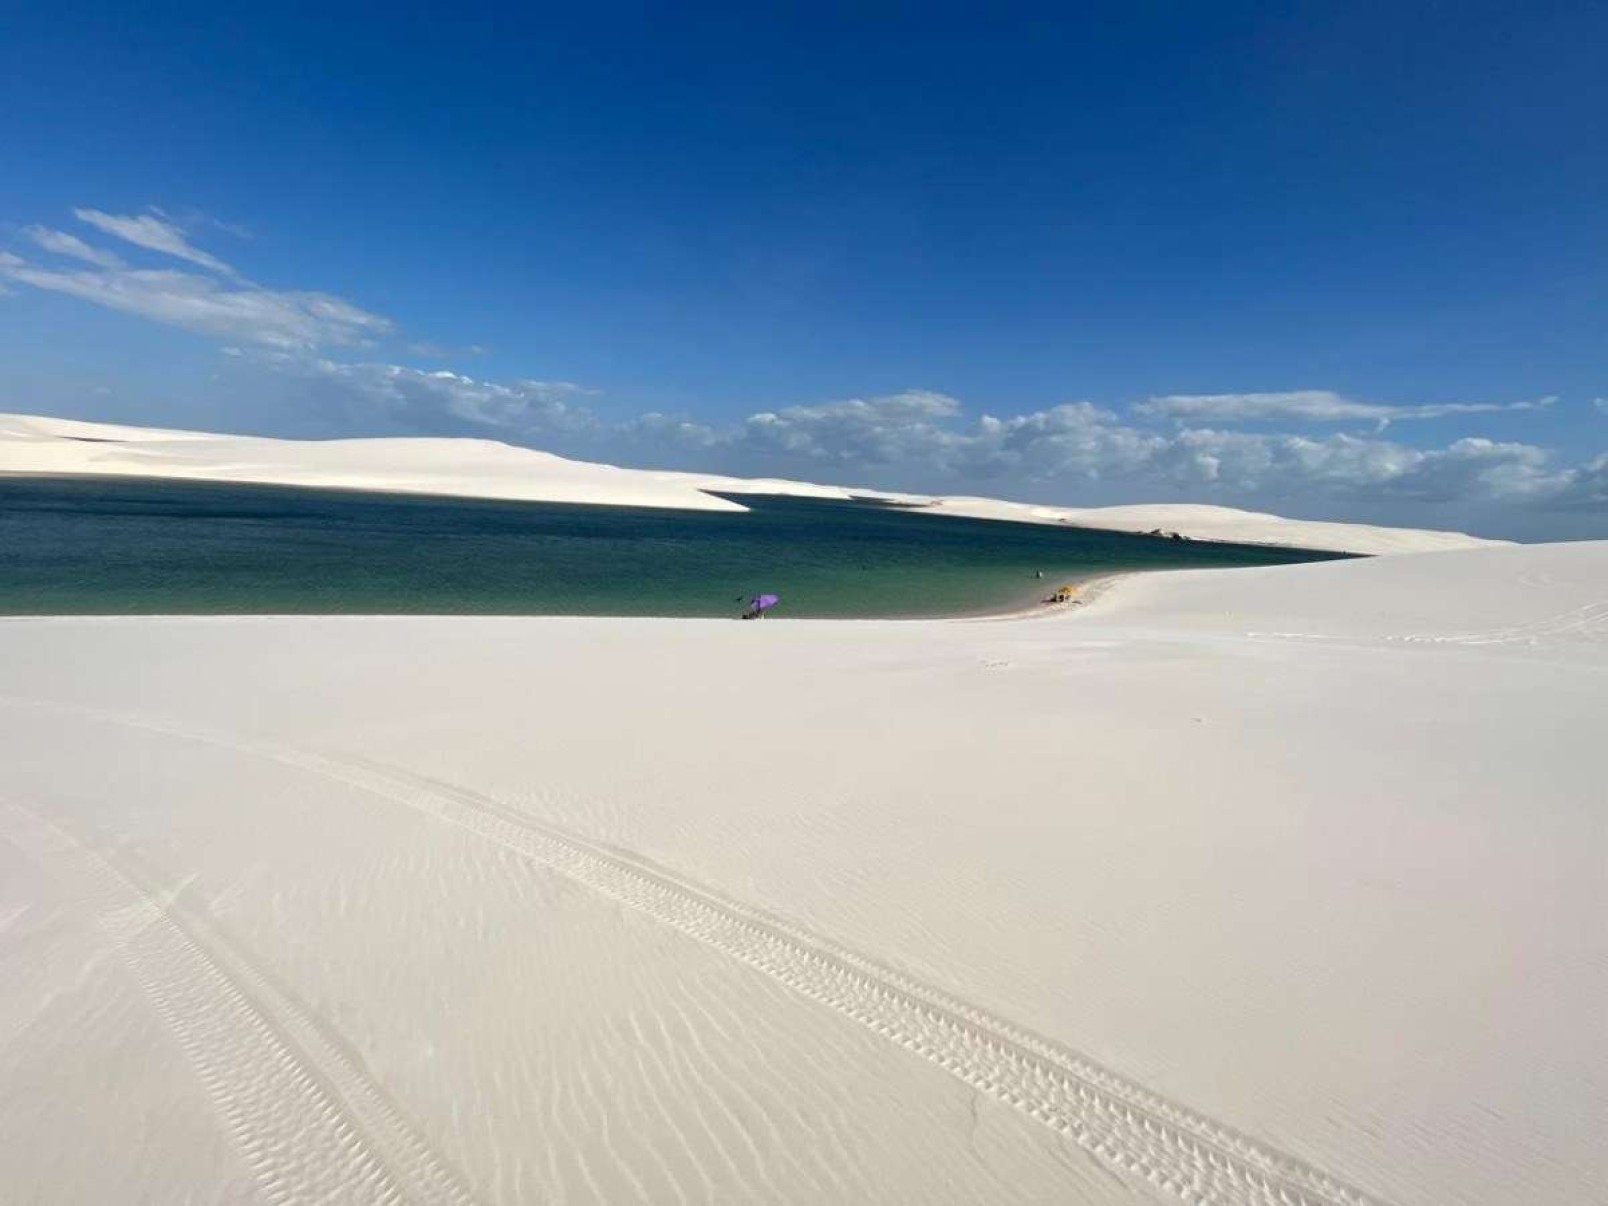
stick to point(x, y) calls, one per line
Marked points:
point(1199, 521)
point(488, 469)
point(1226, 886)
point(458, 467)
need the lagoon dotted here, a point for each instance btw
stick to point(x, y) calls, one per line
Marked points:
point(79, 545)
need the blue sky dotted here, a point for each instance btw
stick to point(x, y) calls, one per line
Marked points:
point(1339, 260)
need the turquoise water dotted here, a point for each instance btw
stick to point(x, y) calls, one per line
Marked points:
point(115, 546)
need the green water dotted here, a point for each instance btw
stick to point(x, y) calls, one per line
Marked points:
point(115, 546)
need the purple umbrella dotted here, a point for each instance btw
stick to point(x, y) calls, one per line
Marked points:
point(760, 604)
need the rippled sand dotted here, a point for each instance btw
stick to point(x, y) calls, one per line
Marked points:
point(1244, 886)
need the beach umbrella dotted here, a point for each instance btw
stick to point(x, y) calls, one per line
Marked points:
point(762, 603)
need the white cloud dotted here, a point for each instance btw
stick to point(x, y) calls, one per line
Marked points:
point(1176, 445)
point(1588, 488)
point(1074, 441)
point(436, 351)
point(670, 433)
point(1310, 405)
point(155, 233)
point(231, 307)
point(417, 399)
point(1080, 444)
point(194, 218)
point(921, 439)
point(857, 430)
point(266, 317)
point(59, 242)
point(1064, 451)
point(1342, 465)
point(1486, 468)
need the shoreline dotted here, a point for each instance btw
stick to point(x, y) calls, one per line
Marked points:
point(1090, 590)
point(1014, 613)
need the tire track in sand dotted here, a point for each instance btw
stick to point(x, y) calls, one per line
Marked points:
point(308, 1122)
point(1118, 1121)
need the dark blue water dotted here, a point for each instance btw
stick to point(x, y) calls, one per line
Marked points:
point(113, 546)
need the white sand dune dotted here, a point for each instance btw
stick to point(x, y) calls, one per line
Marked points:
point(1276, 885)
point(459, 467)
point(488, 469)
point(1201, 522)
